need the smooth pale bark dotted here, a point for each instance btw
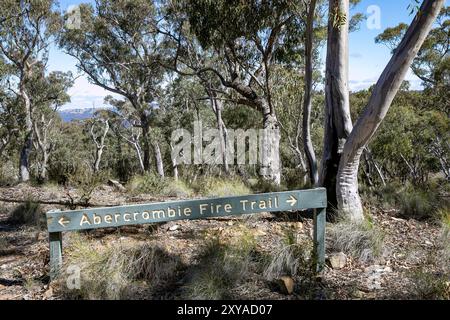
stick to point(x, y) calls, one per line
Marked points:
point(307, 142)
point(24, 172)
point(139, 155)
point(99, 144)
point(222, 133)
point(174, 164)
point(270, 167)
point(43, 146)
point(216, 106)
point(338, 123)
point(349, 201)
point(134, 141)
point(158, 159)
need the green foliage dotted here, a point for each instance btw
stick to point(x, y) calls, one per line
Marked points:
point(265, 186)
point(85, 181)
point(151, 183)
point(416, 204)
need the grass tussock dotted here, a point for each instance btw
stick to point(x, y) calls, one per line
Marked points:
point(294, 257)
point(220, 187)
point(428, 285)
point(431, 281)
point(361, 240)
point(222, 266)
point(413, 202)
point(417, 204)
point(444, 243)
point(152, 184)
point(118, 271)
point(27, 213)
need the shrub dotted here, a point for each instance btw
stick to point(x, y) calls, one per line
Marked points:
point(361, 240)
point(176, 188)
point(445, 238)
point(150, 183)
point(296, 179)
point(119, 271)
point(8, 174)
point(416, 204)
point(265, 186)
point(85, 181)
point(427, 285)
point(28, 213)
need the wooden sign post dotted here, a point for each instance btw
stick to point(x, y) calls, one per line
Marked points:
point(61, 221)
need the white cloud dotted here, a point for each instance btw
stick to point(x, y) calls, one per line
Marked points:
point(84, 94)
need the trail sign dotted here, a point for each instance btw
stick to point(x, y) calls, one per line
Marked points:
point(60, 221)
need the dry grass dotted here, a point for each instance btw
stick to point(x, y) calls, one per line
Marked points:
point(118, 271)
point(154, 185)
point(222, 266)
point(361, 240)
point(292, 257)
point(219, 187)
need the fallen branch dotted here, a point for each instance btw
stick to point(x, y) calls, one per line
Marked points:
point(62, 203)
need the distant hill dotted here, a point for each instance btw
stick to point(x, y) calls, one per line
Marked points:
point(77, 114)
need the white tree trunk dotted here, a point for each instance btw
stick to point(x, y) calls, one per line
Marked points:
point(338, 123)
point(24, 173)
point(349, 202)
point(270, 167)
point(158, 159)
point(99, 143)
point(307, 142)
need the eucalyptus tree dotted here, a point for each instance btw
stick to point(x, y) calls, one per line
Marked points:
point(48, 94)
point(119, 50)
point(349, 202)
point(25, 31)
point(98, 130)
point(432, 63)
point(126, 124)
point(338, 123)
point(244, 40)
point(8, 120)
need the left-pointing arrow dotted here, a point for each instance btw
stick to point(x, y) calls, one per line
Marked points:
point(62, 221)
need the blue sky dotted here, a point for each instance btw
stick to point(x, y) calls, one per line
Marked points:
point(367, 59)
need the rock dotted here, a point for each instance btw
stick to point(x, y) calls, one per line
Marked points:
point(116, 184)
point(358, 294)
point(48, 293)
point(286, 284)
point(174, 227)
point(338, 260)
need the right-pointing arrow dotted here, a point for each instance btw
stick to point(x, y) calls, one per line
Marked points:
point(292, 200)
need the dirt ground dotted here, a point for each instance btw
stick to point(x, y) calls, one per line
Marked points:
point(24, 253)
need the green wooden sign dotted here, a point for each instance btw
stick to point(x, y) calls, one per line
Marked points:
point(60, 221)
